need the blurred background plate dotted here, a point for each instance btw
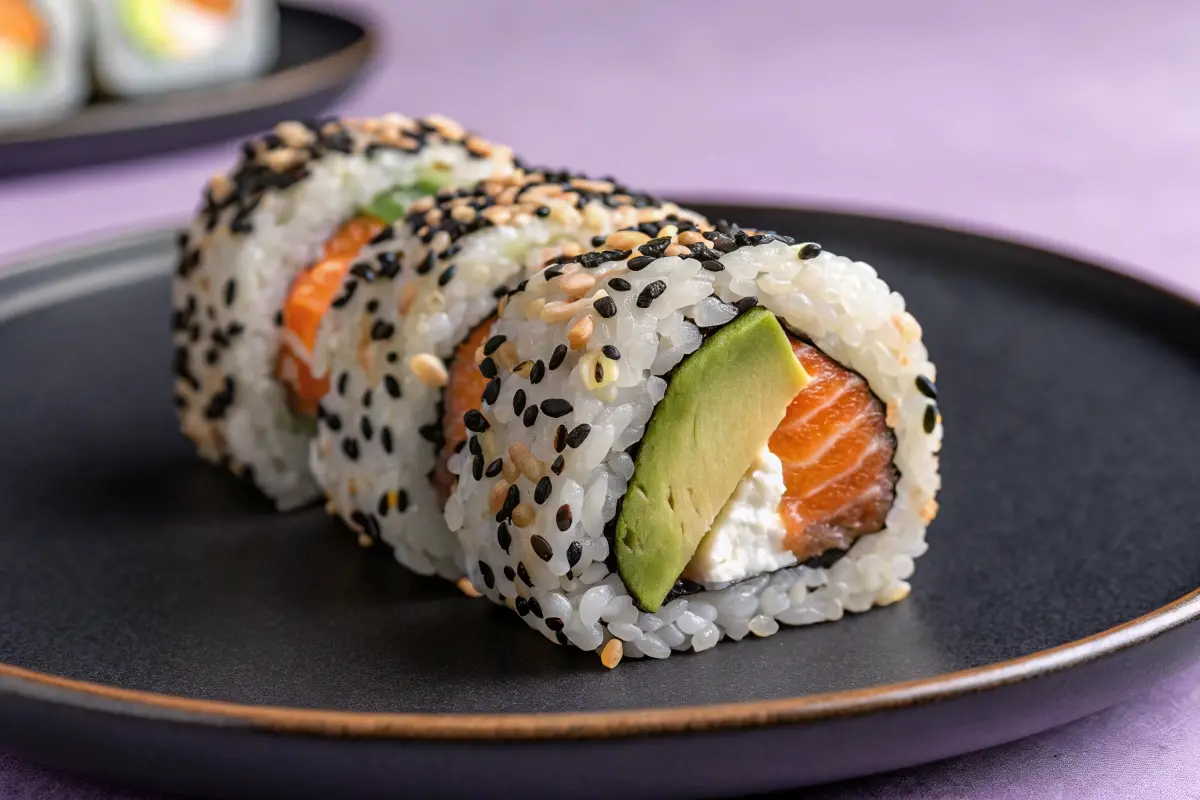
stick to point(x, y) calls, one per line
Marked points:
point(321, 56)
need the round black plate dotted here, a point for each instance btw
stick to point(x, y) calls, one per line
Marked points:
point(321, 55)
point(1062, 571)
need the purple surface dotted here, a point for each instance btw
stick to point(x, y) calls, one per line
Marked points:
point(1072, 123)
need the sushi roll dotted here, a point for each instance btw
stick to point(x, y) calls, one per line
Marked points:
point(262, 262)
point(151, 46)
point(43, 64)
point(736, 431)
point(420, 300)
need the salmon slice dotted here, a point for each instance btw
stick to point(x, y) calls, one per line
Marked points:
point(464, 391)
point(308, 301)
point(20, 25)
point(224, 8)
point(837, 453)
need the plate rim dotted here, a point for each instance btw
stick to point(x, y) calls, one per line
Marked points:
point(612, 724)
point(218, 101)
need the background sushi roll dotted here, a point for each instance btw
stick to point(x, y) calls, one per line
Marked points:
point(412, 309)
point(736, 432)
point(150, 46)
point(43, 60)
point(264, 259)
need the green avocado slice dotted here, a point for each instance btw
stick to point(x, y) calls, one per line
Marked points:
point(146, 23)
point(721, 406)
point(392, 204)
point(19, 68)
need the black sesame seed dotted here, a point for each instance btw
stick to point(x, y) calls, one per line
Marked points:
point(427, 264)
point(458, 448)
point(383, 505)
point(611, 351)
point(474, 446)
point(556, 407)
point(363, 271)
point(446, 276)
point(542, 211)
point(559, 635)
point(809, 250)
point(712, 266)
point(598, 241)
point(333, 422)
point(530, 416)
point(535, 607)
point(385, 235)
point(550, 273)
point(519, 401)
point(926, 387)
point(509, 572)
point(475, 421)
point(367, 523)
point(650, 293)
point(432, 433)
point(341, 300)
point(592, 260)
point(540, 546)
point(537, 372)
point(578, 435)
point(655, 247)
point(522, 606)
point(554, 624)
point(372, 306)
point(574, 553)
point(563, 517)
point(541, 492)
point(559, 354)
point(366, 399)
point(606, 307)
point(493, 344)
point(488, 368)
point(640, 263)
point(511, 500)
point(402, 501)
point(350, 448)
point(489, 577)
point(385, 439)
point(368, 430)
point(745, 304)
point(389, 264)
point(723, 242)
point(494, 468)
point(557, 466)
point(477, 468)
point(382, 330)
point(279, 318)
point(619, 285)
point(212, 356)
point(599, 372)
point(492, 391)
point(560, 438)
point(524, 573)
point(930, 417)
point(391, 385)
point(392, 358)
point(230, 291)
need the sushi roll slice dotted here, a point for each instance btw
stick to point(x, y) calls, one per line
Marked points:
point(421, 300)
point(150, 46)
point(736, 432)
point(43, 65)
point(264, 259)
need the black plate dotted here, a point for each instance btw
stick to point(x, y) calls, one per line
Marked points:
point(321, 55)
point(153, 605)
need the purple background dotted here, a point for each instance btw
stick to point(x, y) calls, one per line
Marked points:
point(1074, 123)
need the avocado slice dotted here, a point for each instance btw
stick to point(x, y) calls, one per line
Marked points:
point(392, 204)
point(19, 68)
point(146, 23)
point(722, 404)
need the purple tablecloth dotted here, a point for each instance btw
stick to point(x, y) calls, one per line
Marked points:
point(1075, 123)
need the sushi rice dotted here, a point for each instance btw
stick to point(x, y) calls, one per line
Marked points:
point(551, 556)
point(407, 304)
point(258, 228)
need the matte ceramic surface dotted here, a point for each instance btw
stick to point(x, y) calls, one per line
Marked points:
point(1060, 579)
point(321, 55)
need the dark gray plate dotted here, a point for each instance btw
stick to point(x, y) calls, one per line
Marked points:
point(154, 607)
point(321, 55)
